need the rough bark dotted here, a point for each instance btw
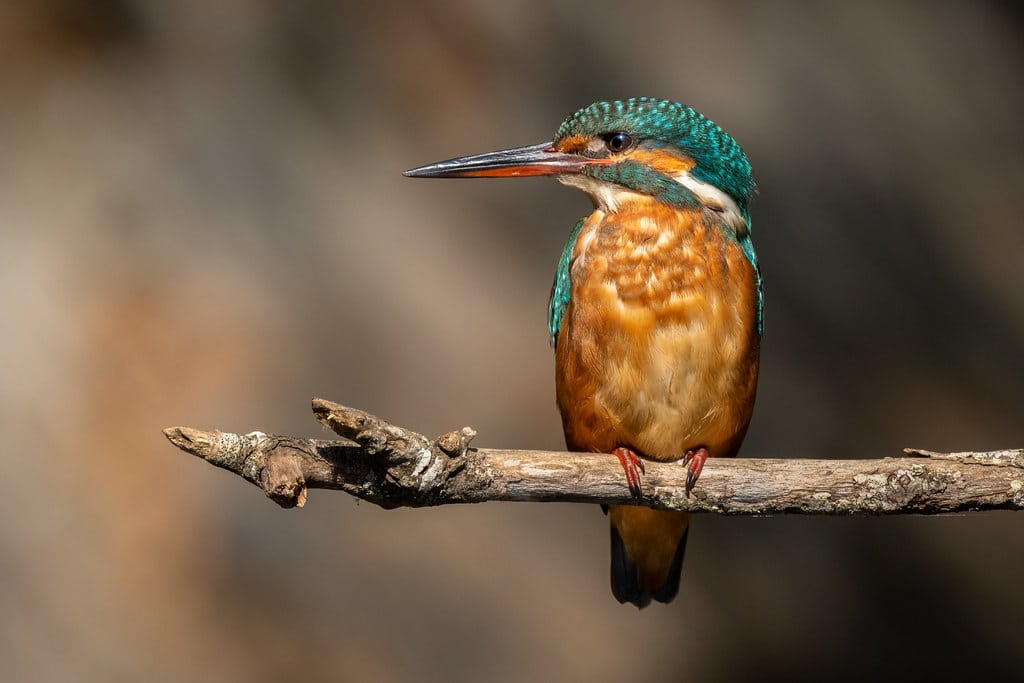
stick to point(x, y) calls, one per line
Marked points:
point(393, 467)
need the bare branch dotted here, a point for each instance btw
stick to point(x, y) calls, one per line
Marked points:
point(394, 467)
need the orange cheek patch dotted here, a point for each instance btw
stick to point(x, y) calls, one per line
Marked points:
point(663, 161)
point(573, 144)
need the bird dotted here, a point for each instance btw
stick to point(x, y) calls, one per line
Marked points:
point(656, 310)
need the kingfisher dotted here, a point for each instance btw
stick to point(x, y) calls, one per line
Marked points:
point(656, 308)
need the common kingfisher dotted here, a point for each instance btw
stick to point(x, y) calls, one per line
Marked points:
point(655, 312)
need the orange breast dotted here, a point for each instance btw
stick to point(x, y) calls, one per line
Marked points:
point(658, 348)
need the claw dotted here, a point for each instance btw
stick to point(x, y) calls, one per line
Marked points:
point(694, 461)
point(633, 466)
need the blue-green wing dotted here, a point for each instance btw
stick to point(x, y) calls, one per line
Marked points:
point(747, 244)
point(560, 290)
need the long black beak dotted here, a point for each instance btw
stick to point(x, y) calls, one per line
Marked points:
point(542, 159)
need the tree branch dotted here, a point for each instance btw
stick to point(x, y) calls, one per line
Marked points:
point(393, 467)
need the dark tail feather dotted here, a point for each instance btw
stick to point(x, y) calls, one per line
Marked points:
point(668, 590)
point(625, 586)
point(625, 577)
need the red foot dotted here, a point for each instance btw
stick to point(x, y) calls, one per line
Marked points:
point(633, 466)
point(694, 461)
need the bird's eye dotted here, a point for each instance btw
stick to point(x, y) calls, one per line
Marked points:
point(618, 142)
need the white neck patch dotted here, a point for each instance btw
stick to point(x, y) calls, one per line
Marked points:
point(715, 200)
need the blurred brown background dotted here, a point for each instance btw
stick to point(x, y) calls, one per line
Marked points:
point(204, 223)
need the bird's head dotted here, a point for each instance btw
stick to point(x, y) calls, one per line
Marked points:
point(641, 148)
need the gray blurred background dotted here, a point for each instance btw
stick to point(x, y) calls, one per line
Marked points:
point(204, 223)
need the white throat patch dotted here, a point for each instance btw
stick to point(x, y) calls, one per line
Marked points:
point(608, 196)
